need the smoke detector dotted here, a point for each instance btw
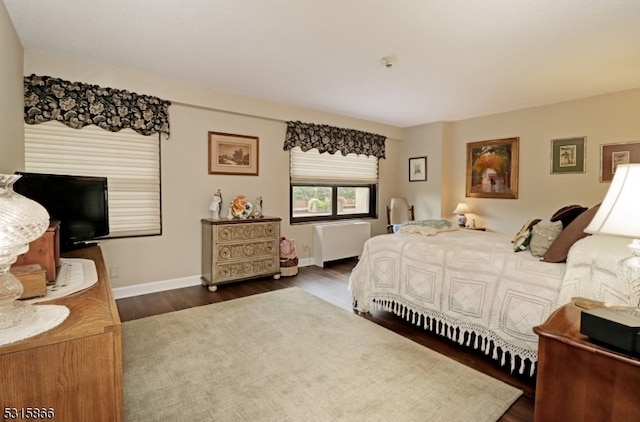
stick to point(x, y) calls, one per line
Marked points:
point(389, 61)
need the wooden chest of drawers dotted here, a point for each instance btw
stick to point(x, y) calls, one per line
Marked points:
point(234, 250)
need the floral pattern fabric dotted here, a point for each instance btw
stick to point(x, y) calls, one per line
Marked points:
point(79, 104)
point(333, 139)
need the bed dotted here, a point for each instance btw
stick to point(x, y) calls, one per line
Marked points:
point(471, 286)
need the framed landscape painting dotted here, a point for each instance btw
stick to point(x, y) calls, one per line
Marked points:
point(611, 155)
point(567, 155)
point(233, 154)
point(492, 168)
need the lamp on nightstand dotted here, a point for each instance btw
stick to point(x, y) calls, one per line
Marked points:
point(619, 215)
point(461, 209)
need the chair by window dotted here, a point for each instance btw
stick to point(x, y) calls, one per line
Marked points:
point(398, 211)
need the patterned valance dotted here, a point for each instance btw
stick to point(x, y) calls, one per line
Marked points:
point(333, 139)
point(78, 104)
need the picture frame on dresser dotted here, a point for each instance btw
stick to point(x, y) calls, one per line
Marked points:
point(233, 154)
point(568, 155)
point(612, 155)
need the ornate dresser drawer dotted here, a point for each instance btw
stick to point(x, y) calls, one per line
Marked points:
point(234, 250)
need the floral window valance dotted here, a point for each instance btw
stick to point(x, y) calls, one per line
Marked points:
point(333, 139)
point(79, 104)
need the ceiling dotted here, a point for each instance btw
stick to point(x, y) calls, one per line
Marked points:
point(456, 59)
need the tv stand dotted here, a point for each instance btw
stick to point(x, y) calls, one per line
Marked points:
point(74, 368)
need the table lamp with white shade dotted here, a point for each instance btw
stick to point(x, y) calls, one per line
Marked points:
point(619, 215)
point(461, 209)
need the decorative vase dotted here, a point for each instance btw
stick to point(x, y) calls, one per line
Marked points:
point(21, 221)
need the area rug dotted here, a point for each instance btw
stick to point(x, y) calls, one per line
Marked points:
point(287, 355)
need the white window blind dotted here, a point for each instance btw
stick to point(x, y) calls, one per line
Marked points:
point(311, 166)
point(130, 161)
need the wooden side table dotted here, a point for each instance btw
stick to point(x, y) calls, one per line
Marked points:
point(580, 380)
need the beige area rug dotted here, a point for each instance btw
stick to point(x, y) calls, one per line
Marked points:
point(290, 356)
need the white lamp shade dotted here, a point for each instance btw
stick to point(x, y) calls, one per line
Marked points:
point(461, 208)
point(619, 213)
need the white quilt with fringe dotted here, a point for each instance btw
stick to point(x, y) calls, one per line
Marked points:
point(471, 286)
point(461, 282)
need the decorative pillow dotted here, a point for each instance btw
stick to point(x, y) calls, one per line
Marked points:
point(568, 214)
point(542, 236)
point(559, 249)
point(523, 237)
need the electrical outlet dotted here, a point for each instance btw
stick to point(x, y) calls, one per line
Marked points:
point(307, 249)
point(114, 272)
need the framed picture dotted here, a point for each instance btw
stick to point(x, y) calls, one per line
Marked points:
point(613, 154)
point(418, 169)
point(233, 154)
point(567, 155)
point(492, 168)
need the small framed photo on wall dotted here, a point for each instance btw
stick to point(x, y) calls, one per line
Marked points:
point(568, 155)
point(612, 155)
point(418, 169)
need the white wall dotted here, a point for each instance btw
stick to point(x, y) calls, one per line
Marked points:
point(11, 97)
point(603, 119)
point(187, 188)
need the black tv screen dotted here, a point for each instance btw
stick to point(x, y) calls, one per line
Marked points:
point(80, 203)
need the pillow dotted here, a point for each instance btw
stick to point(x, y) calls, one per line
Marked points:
point(523, 237)
point(568, 214)
point(559, 249)
point(542, 236)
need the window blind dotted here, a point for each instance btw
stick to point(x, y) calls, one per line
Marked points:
point(130, 161)
point(311, 166)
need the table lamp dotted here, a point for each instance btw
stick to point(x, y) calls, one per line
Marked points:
point(21, 221)
point(461, 209)
point(619, 215)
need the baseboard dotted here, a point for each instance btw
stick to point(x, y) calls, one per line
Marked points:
point(155, 286)
point(176, 283)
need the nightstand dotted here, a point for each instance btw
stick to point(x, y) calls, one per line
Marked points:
point(580, 380)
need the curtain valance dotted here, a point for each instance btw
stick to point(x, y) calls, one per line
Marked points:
point(79, 104)
point(332, 139)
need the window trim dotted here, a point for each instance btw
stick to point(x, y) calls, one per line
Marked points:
point(373, 202)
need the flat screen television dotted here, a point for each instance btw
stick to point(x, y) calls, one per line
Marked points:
point(80, 203)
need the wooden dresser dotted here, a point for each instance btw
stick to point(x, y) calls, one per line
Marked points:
point(75, 368)
point(579, 380)
point(234, 250)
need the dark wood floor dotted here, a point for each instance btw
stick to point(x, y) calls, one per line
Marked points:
point(330, 283)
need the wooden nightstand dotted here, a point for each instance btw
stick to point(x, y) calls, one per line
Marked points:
point(580, 380)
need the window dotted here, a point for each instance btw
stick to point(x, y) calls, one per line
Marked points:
point(130, 161)
point(332, 186)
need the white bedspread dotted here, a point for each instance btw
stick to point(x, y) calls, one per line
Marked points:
point(462, 282)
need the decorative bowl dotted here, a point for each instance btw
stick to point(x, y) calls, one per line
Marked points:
point(240, 207)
